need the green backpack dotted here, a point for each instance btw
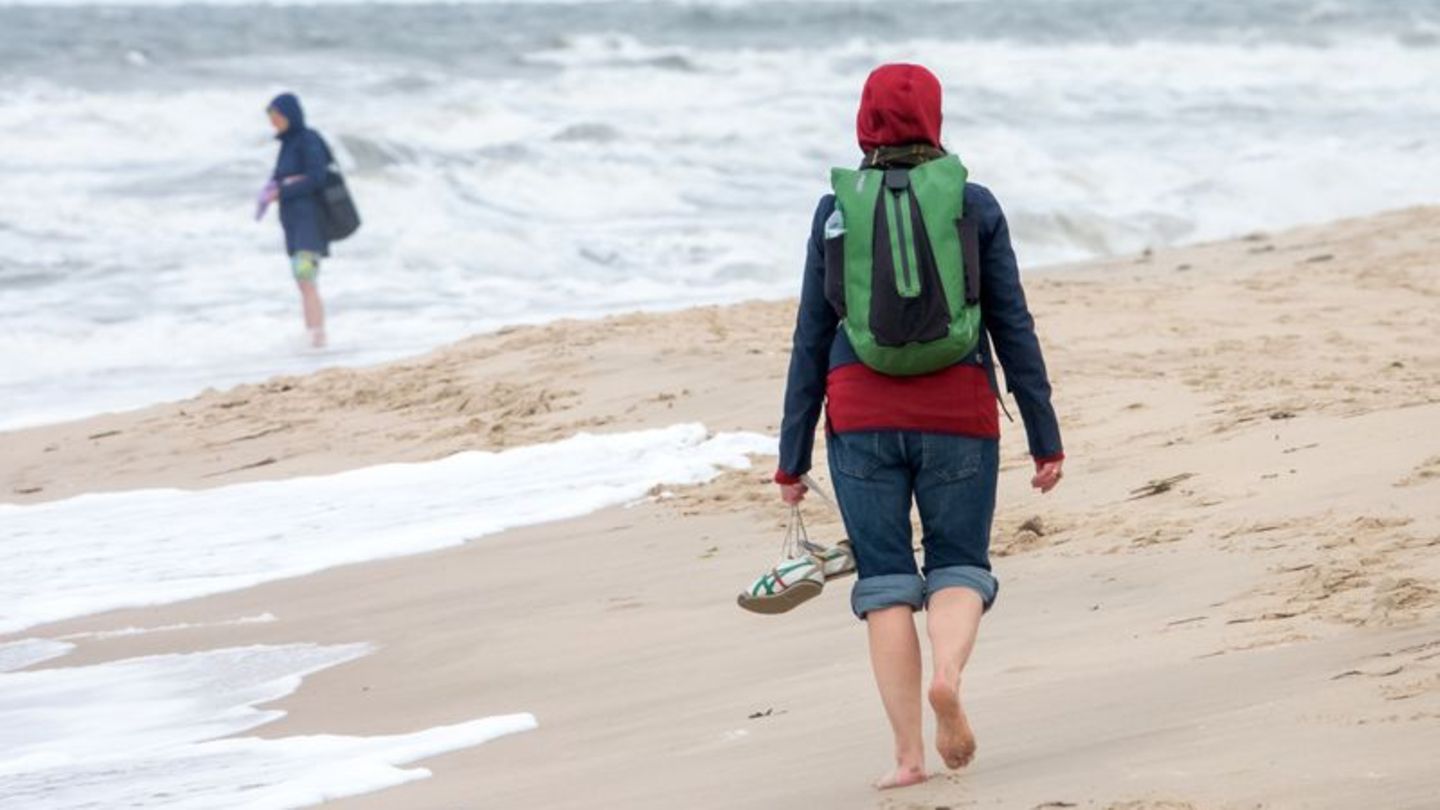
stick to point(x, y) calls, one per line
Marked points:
point(902, 265)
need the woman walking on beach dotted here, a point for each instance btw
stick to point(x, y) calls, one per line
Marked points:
point(911, 291)
point(300, 172)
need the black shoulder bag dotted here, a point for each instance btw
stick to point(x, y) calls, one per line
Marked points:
point(336, 204)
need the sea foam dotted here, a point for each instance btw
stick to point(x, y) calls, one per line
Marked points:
point(158, 732)
point(123, 549)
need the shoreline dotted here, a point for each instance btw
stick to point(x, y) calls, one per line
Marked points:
point(1237, 578)
point(481, 393)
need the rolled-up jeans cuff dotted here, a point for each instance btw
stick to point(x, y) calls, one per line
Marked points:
point(963, 576)
point(887, 590)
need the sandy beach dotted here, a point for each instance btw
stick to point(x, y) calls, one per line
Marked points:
point(1233, 600)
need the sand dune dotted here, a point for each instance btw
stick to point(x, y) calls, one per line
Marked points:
point(1232, 601)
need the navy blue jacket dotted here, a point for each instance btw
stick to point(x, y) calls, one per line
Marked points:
point(820, 346)
point(302, 152)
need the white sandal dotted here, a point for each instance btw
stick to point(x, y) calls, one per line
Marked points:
point(788, 585)
point(801, 573)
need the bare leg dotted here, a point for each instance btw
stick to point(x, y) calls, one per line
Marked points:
point(895, 658)
point(314, 312)
point(954, 619)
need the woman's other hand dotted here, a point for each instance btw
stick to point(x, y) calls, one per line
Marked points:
point(1048, 475)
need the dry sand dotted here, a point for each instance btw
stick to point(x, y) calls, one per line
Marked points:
point(1233, 600)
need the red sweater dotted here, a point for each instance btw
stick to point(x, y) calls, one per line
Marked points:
point(956, 400)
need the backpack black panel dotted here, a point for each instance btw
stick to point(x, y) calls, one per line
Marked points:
point(894, 319)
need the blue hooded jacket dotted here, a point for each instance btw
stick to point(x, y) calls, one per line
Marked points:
point(303, 153)
point(1008, 334)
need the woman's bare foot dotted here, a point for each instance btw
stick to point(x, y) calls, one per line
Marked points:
point(902, 776)
point(953, 737)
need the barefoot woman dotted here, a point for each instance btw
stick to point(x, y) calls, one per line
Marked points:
point(911, 293)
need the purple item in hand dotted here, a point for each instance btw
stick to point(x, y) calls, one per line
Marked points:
point(266, 196)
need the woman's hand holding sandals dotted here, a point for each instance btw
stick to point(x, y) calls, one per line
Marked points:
point(793, 494)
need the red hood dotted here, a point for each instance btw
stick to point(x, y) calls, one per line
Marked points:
point(899, 106)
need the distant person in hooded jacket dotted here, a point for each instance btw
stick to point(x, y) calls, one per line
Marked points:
point(299, 177)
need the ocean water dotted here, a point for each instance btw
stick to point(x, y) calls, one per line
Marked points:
point(158, 731)
point(518, 162)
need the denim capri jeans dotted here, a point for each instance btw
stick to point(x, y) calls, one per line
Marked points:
point(877, 475)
